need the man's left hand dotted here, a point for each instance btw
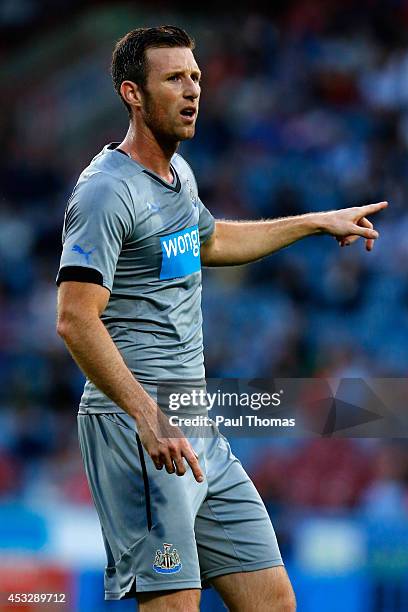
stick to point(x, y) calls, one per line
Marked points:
point(349, 224)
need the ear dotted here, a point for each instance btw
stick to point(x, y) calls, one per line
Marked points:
point(131, 93)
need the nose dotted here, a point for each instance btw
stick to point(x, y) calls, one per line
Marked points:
point(192, 89)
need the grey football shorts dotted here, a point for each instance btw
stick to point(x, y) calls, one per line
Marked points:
point(162, 531)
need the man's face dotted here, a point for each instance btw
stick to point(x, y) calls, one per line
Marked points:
point(172, 92)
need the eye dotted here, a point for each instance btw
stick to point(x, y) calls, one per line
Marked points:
point(173, 77)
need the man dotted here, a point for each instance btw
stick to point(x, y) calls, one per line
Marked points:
point(129, 312)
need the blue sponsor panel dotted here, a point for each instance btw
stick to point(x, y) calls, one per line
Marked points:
point(180, 253)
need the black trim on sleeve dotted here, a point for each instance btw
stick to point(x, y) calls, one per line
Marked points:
point(146, 483)
point(80, 274)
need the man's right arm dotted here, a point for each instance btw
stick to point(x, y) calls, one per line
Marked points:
point(80, 306)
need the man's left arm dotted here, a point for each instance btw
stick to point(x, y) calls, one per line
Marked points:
point(240, 242)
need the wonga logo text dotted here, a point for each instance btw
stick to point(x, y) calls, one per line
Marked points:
point(180, 253)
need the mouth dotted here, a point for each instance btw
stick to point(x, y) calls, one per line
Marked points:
point(188, 114)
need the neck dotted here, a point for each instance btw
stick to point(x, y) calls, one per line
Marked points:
point(144, 147)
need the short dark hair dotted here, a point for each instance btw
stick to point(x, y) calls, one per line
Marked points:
point(129, 58)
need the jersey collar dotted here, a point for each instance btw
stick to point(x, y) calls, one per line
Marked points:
point(174, 186)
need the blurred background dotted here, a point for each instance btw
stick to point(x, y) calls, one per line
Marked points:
point(304, 108)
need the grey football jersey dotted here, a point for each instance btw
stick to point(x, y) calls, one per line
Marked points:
point(132, 232)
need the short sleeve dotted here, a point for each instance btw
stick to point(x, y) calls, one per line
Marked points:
point(98, 219)
point(206, 222)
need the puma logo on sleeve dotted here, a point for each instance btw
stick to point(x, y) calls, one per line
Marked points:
point(86, 254)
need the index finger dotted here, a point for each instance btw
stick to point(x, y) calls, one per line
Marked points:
point(192, 461)
point(370, 209)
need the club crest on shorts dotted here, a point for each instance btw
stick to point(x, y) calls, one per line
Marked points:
point(167, 561)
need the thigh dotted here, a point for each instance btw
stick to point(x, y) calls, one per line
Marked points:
point(267, 590)
point(146, 515)
point(177, 601)
point(233, 530)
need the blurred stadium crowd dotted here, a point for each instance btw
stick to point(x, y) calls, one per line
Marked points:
point(302, 110)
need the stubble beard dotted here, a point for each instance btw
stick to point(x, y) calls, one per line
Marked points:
point(161, 130)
